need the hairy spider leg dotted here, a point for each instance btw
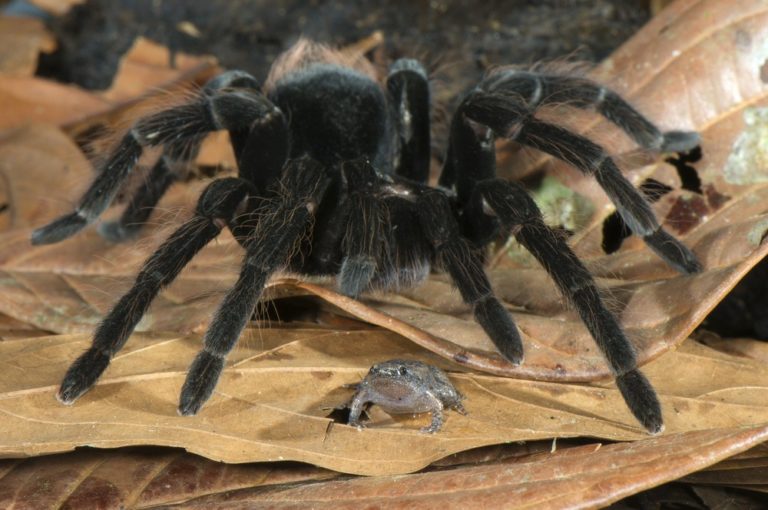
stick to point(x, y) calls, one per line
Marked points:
point(231, 202)
point(465, 265)
point(408, 88)
point(364, 241)
point(518, 213)
point(169, 167)
point(537, 89)
point(216, 206)
point(228, 101)
point(282, 225)
point(513, 119)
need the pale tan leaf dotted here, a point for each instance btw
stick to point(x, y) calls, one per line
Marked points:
point(273, 401)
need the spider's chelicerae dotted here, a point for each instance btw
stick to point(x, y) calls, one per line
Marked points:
point(333, 166)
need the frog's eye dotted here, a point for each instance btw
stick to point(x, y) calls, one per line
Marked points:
point(403, 371)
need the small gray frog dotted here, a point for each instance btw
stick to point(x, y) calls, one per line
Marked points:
point(404, 387)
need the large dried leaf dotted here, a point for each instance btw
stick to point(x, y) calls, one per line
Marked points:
point(587, 477)
point(510, 475)
point(29, 99)
point(643, 291)
point(670, 72)
point(134, 478)
point(274, 400)
point(21, 41)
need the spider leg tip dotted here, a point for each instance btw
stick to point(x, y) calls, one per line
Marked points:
point(680, 141)
point(68, 393)
point(642, 400)
point(59, 229)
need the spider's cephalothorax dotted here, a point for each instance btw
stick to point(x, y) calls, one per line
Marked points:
point(333, 172)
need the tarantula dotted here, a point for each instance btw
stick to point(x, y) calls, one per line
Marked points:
point(333, 168)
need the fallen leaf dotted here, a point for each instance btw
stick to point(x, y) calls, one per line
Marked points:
point(57, 7)
point(21, 41)
point(273, 401)
point(134, 478)
point(29, 158)
point(147, 66)
point(515, 475)
point(640, 288)
point(29, 99)
point(589, 476)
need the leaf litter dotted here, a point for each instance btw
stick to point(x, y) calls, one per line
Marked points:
point(674, 49)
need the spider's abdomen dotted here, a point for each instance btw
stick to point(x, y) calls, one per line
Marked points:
point(334, 114)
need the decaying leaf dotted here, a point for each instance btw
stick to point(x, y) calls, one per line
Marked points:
point(540, 474)
point(21, 41)
point(587, 477)
point(135, 478)
point(657, 307)
point(29, 99)
point(275, 399)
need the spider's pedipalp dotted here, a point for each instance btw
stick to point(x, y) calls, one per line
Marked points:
point(281, 227)
point(219, 201)
point(365, 238)
point(408, 87)
point(465, 266)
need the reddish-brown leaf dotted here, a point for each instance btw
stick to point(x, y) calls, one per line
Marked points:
point(585, 477)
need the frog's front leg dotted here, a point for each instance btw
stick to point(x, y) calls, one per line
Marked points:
point(437, 416)
point(356, 408)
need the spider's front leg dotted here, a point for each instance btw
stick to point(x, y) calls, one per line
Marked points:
point(465, 265)
point(217, 206)
point(281, 227)
point(518, 213)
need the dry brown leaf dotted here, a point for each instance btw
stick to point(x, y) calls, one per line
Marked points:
point(21, 41)
point(30, 159)
point(57, 7)
point(28, 99)
point(146, 478)
point(587, 477)
point(31, 100)
point(669, 71)
point(273, 401)
point(147, 66)
point(657, 307)
point(134, 478)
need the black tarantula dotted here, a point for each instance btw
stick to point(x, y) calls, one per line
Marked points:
point(333, 170)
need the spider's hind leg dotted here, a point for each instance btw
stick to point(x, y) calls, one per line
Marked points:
point(230, 101)
point(514, 120)
point(541, 89)
point(408, 87)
